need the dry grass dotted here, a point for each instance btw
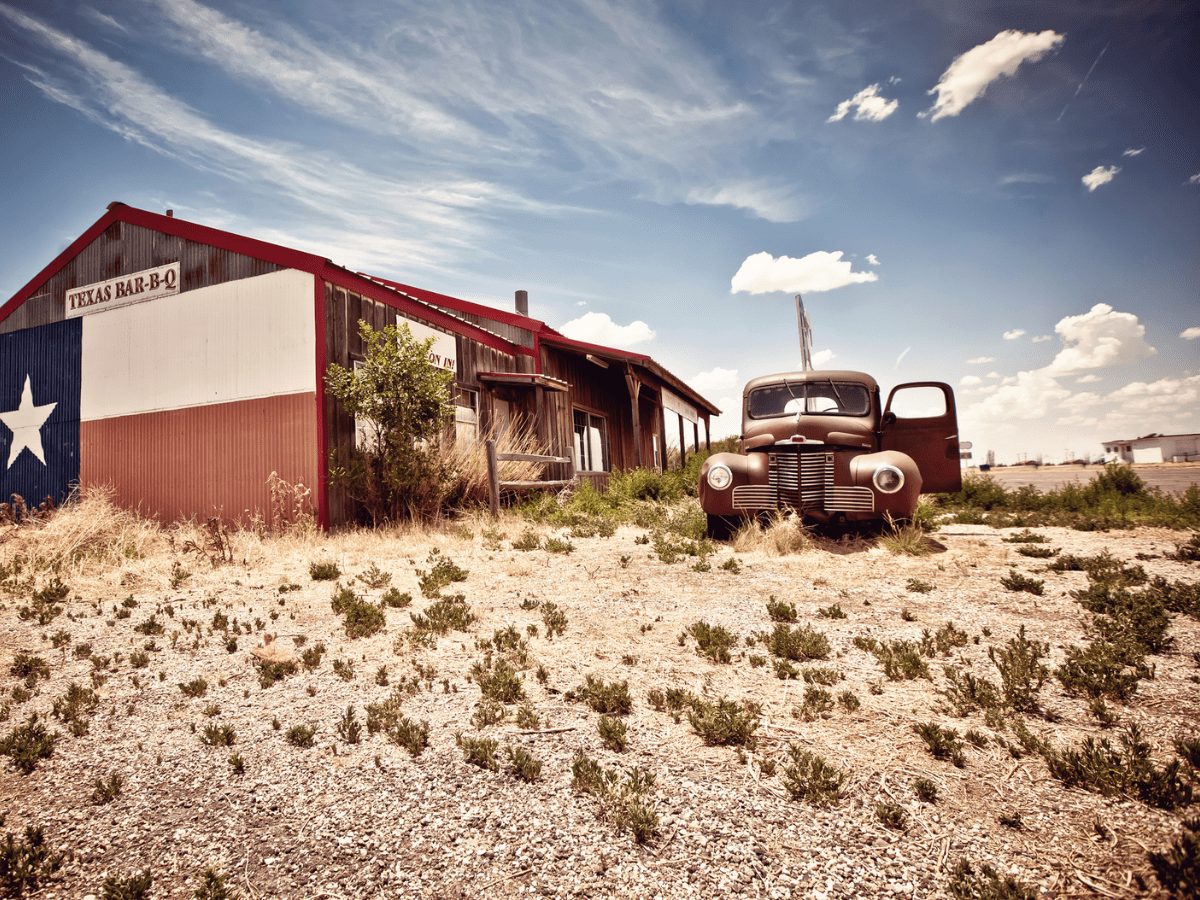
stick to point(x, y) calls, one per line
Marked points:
point(469, 463)
point(781, 535)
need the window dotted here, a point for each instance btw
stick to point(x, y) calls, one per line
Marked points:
point(842, 398)
point(591, 442)
point(466, 417)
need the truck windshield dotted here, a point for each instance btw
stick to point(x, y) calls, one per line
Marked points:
point(827, 398)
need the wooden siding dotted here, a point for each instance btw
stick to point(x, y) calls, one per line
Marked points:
point(595, 389)
point(343, 310)
point(205, 460)
point(122, 249)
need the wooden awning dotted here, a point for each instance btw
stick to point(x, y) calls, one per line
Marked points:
point(522, 380)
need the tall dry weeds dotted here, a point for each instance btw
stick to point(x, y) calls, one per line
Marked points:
point(783, 534)
point(468, 463)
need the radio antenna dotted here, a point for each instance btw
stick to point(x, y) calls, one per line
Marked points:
point(805, 335)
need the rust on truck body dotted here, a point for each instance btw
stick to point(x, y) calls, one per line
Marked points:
point(820, 443)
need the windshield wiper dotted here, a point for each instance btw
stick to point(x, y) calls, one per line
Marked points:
point(841, 405)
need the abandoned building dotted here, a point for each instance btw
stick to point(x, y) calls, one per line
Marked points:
point(1154, 448)
point(182, 365)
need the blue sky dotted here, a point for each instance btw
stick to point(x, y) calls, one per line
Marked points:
point(1004, 196)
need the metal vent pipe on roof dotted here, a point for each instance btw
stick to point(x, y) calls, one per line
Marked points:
point(523, 303)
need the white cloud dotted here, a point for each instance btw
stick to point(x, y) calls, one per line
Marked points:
point(1167, 395)
point(969, 381)
point(970, 74)
point(1014, 334)
point(1088, 379)
point(993, 374)
point(1132, 152)
point(598, 328)
point(762, 273)
point(1100, 175)
point(1076, 403)
point(1098, 339)
point(1041, 338)
point(1028, 395)
point(870, 106)
point(1190, 334)
point(900, 357)
point(872, 259)
point(1195, 179)
point(821, 357)
point(978, 360)
point(716, 379)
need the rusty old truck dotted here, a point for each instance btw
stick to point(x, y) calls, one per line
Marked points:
point(820, 444)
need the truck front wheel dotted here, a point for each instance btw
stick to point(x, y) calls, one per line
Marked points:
point(721, 528)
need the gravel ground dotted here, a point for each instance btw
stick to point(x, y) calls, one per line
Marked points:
point(348, 820)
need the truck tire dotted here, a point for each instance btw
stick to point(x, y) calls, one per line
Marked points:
point(721, 528)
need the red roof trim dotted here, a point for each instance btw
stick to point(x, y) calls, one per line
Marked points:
point(476, 309)
point(554, 339)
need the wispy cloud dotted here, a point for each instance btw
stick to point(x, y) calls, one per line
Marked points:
point(903, 354)
point(1014, 334)
point(872, 259)
point(979, 360)
point(1100, 175)
point(1195, 179)
point(1133, 152)
point(969, 75)
point(969, 381)
point(821, 357)
point(1190, 334)
point(1027, 178)
point(1082, 82)
point(868, 106)
point(818, 271)
point(714, 380)
point(1042, 338)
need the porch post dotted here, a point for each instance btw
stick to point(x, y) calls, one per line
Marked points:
point(682, 444)
point(635, 387)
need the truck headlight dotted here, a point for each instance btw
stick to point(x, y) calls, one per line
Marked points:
point(719, 477)
point(888, 479)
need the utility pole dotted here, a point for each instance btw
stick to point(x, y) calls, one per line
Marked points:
point(805, 335)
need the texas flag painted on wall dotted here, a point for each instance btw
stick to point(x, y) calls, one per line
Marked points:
point(39, 411)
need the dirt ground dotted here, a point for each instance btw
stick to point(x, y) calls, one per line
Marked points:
point(366, 819)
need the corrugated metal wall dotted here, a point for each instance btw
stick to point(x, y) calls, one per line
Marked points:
point(204, 460)
point(123, 249)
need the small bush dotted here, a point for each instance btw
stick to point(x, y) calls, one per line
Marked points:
point(375, 577)
point(106, 791)
point(891, 815)
point(917, 586)
point(271, 672)
point(905, 540)
point(446, 614)
point(613, 734)
point(479, 752)
point(558, 545)
point(926, 789)
point(150, 627)
point(310, 658)
point(46, 603)
point(833, 611)
point(611, 699)
point(326, 570)
point(500, 682)
point(488, 712)
point(194, 688)
point(135, 887)
point(901, 661)
point(1128, 770)
point(301, 736)
point(821, 675)
point(1038, 552)
point(212, 887)
point(349, 729)
point(725, 723)
point(27, 667)
point(28, 744)
point(780, 611)
point(554, 619)
point(527, 717)
point(967, 693)
point(218, 736)
point(523, 764)
point(799, 644)
point(443, 572)
point(1178, 867)
point(712, 641)
point(396, 600)
point(942, 743)
point(413, 736)
point(75, 707)
point(1098, 671)
point(27, 865)
point(987, 885)
point(817, 702)
point(1015, 581)
point(849, 701)
point(808, 777)
point(1025, 537)
point(1021, 671)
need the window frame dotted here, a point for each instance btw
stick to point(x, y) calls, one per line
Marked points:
point(584, 450)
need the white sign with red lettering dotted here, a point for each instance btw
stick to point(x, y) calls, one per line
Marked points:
point(443, 352)
point(149, 284)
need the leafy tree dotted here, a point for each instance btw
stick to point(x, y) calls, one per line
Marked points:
point(402, 402)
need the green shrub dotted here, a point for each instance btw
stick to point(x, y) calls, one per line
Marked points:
point(849, 701)
point(965, 884)
point(1100, 670)
point(413, 736)
point(396, 600)
point(555, 620)
point(1017, 582)
point(375, 577)
point(326, 570)
point(1178, 867)
point(301, 736)
point(498, 682)
point(212, 887)
point(901, 661)
point(817, 702)
point(611, 699)
point(271, 672)
point(942, 743)
point(1022, 673)
point(926, 789)
point(833, 611)
point(891, 815)
point(74, 708)
point(1128, 770)
point(361, 618)
point(523, 764)
point(479, 752)
point(780, 611)
point(528, 541)
point(28, 864)
point(194, 688)
point(725, 723)
point(310, 658)
point(135, 887)
point(46, 603)
point(443, 571)
point(821, 675)
point(613, 733)
point(1026, 537)
point(967, 693)
point(448, 613)
point(218, 736)
point(917, 586)
point(808, 777)
point(26, 666)
point(349, 729)
point(799, 644)
point(28, 744)
point(622, 800)
point(712, 641)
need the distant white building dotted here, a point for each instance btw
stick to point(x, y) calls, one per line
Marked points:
point(1154, 448)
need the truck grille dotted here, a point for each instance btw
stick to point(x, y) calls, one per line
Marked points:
point(803, 481)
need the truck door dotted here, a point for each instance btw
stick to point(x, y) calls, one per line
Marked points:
point(920, 420)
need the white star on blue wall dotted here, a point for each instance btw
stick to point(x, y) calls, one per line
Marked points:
point(26, 423)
